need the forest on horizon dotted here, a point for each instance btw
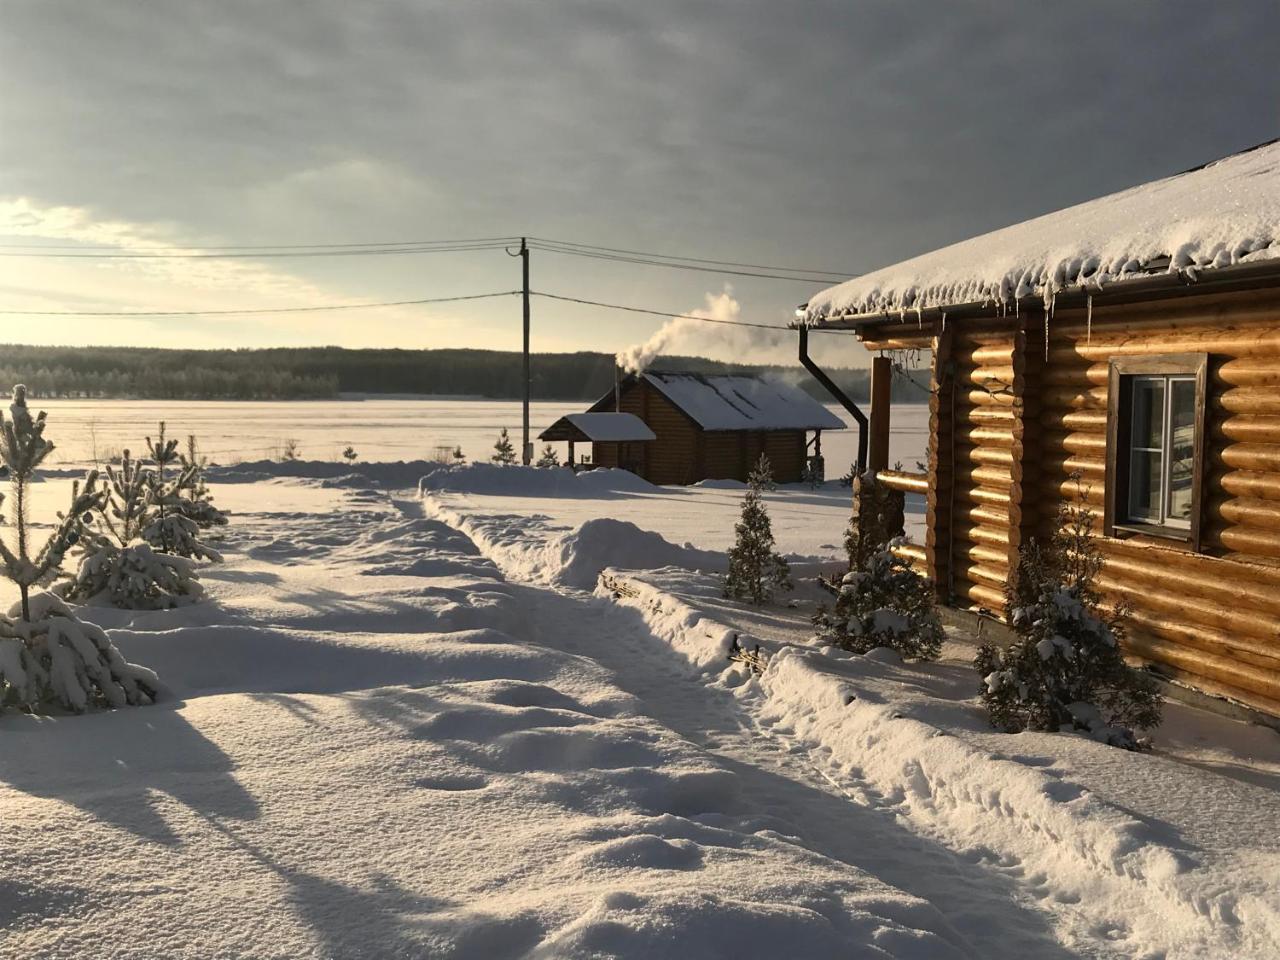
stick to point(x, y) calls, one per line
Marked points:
point(325, 373)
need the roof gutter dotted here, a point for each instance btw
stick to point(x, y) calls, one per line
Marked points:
point(1158, 286)
point(807, 362)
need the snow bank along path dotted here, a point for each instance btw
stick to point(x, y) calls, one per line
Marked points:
point(1087, 854)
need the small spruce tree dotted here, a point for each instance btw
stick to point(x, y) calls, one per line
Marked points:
point(1065, 670)
point(503, 451)
point(756, 570)
point(49, 657)
point(349, 454)
point(459, 457)
point(118, 567)
point(549, 457)
point(168, 529)
point(198, 504)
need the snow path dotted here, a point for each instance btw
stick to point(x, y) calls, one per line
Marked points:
point(988, 913)
point(992, 908)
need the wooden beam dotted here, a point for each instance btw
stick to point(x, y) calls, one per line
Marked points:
point(881, 394)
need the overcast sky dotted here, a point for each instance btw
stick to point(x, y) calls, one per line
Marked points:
point(840, 136)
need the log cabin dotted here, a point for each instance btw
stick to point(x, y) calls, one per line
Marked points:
point(713, 427)
point(1124, 352)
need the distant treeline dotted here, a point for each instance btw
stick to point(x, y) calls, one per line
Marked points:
point(306, 373)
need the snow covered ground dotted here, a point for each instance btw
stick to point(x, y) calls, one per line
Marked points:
point(408, 726)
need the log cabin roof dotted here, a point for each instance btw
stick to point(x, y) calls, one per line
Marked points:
point(1222, 214)
point(743, 402)
point(601, 427)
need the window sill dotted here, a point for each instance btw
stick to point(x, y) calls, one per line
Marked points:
point(1173, 534)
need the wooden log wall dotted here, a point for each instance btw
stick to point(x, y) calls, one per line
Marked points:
point(1212, 618)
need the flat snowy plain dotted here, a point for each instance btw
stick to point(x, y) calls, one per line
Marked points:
point(411, 724)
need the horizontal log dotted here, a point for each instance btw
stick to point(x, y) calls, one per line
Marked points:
point(1225, 583)
point(1252, 541)
point(981, 595)
point(985, 455)
point(1244, 342)
point(1245, 511)
point(998, 415)
point(1263, 401)
point(979, 533)
point(986, 435)
point(985, 355)
point(982, 553)
point(1091, 469)
point(1205, 623)
point(996, 498)
point(1068, 489)
point(1156, 318)
point(911, 552)
point(991, 377)
point(1080, 376)
point(1087, 444)
point(1247, 428)
point(1074, 421)
point(916, 340)
point(1246, 372)
point(1062, 399)
point(984, 398)
point(1246, 483)
point(993, 577)
point(1262, 457)
point(1150, 643)
point(905, 481)
point(989, 515)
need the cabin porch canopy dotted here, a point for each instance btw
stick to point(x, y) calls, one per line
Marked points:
point(599, 428)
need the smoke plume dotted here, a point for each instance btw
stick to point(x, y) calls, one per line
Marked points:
point(702, 338)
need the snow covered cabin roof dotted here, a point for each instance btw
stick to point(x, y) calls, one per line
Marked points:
point(743, 402)
point(1222, 214)
point(603, 427)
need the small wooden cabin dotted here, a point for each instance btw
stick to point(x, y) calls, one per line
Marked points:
point(715, 427)
point(1132, 342)
point(623, 434)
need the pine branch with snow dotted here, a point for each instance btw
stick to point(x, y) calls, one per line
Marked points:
point(756, 571)
point(504, 452)
point(1065, 669)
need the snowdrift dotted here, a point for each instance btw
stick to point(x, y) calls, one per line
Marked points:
point(491, 479)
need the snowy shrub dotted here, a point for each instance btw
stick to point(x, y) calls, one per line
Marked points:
point(503, 451)
point(198, 501)
point(167, 527)
point(883, 603)
point(1064, 670)
point(756, 570)
point(50, 658)
point(47, 656)
point(116, 565)
point(549, 457)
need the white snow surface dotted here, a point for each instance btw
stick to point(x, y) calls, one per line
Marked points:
point(1225, 213)
point(400, 728)
point(620, 427)
point(744, 403)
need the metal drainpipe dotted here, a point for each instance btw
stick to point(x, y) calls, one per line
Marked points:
point(839, 395)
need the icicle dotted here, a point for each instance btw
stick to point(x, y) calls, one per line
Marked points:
point(919, 317)
point(944, 321)
point(1088, 319)
point(1017, 308)
point(1048, 313)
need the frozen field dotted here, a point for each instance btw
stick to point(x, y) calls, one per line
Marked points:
point(380, 430)
point(412, 726)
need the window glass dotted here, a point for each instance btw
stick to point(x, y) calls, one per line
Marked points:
point(1145, 483)
point(1148, 413)
point(1182, 431)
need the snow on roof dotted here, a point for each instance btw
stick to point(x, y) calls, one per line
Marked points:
point(606, 427)
point(743, 403)
point(1218, 215)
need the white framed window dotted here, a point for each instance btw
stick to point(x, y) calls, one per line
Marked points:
point(1155, 442)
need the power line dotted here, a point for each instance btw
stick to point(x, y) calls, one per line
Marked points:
point(266, 246)
point(210, 313)
point(681, 316)
point(839, 274)
point(680, 266)
point(370, 252)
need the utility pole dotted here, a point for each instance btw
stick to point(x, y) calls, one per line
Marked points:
point(527, 450)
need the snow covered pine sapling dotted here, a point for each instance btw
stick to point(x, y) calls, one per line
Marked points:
point(1065, 671)
point(503, 451)
point(48, 656)
point(168, 528)
point(116, 565)
point(549, 457)
point(197, 501)
point(881, 602)
point(756, 570)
